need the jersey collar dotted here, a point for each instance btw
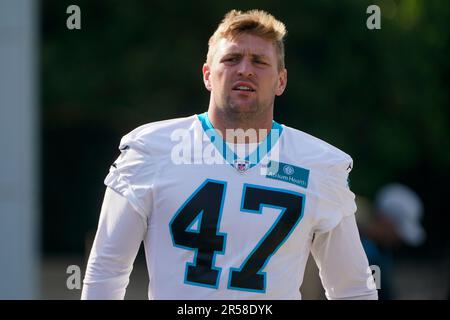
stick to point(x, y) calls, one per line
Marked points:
point(230, 157)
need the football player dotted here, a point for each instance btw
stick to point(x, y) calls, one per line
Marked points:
point(229, 203)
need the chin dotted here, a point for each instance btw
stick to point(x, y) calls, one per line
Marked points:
point(243, 108)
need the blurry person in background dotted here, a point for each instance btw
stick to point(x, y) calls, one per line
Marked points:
point(392, 222)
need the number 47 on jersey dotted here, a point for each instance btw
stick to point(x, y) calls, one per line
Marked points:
point(204, 208)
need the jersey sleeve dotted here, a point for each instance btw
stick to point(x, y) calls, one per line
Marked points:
point(132, 174)
point(343, 266)
point(120, 232)
point(336, 200)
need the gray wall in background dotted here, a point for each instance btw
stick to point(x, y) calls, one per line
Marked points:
point(19, 147)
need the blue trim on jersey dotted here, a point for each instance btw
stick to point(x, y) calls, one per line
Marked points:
point(216, 139)
point(302, 196)
point(230, 157)
point(198, 219)
point(224, 183)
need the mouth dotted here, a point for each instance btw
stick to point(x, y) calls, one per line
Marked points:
point(243, 87)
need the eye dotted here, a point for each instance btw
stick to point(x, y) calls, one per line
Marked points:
point(231, 59)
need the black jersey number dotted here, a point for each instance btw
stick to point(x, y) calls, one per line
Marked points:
point(195, 227)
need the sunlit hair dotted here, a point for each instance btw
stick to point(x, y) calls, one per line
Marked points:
point(254, 22)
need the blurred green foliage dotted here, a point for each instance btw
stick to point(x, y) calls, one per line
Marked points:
point(380, 95)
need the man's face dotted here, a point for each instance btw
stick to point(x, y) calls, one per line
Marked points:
point(243, 75)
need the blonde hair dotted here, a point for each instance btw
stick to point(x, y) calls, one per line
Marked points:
point(255, 22)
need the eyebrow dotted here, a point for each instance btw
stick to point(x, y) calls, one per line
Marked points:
point(239, 54)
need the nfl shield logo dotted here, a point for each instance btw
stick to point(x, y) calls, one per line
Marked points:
point(241, 165)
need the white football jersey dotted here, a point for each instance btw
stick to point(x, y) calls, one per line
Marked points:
point(218, 226)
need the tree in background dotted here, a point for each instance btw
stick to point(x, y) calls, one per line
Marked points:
point(380, 95)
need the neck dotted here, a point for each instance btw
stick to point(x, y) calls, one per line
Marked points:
point(254, 129)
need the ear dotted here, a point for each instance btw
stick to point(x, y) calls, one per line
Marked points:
point(282, 82)
point(206, 76)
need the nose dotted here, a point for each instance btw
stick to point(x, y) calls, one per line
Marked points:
point(245, 68)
